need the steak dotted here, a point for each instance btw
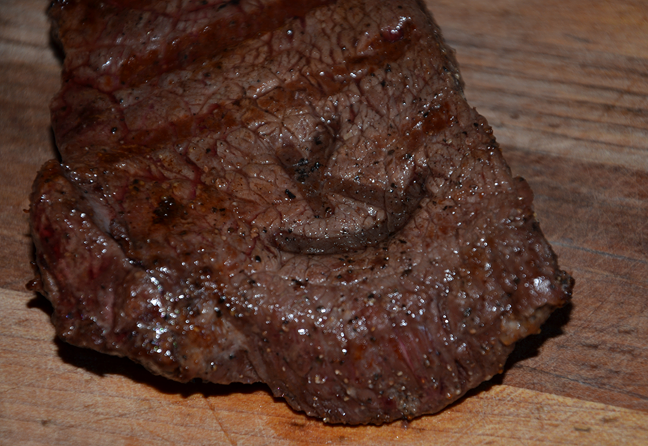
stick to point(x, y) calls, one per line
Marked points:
point(295, 193)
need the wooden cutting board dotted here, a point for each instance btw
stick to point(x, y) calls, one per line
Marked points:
point(565, 85)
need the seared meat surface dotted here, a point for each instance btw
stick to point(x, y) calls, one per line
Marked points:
point(288, 192)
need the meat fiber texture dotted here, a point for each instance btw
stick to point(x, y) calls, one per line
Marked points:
point(295, 193)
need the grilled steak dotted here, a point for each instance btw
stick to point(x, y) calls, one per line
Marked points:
point(288, 192)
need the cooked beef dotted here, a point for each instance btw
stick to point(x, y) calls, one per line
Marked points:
point(288, 192)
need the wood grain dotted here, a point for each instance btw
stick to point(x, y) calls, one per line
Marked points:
point(565, 85)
